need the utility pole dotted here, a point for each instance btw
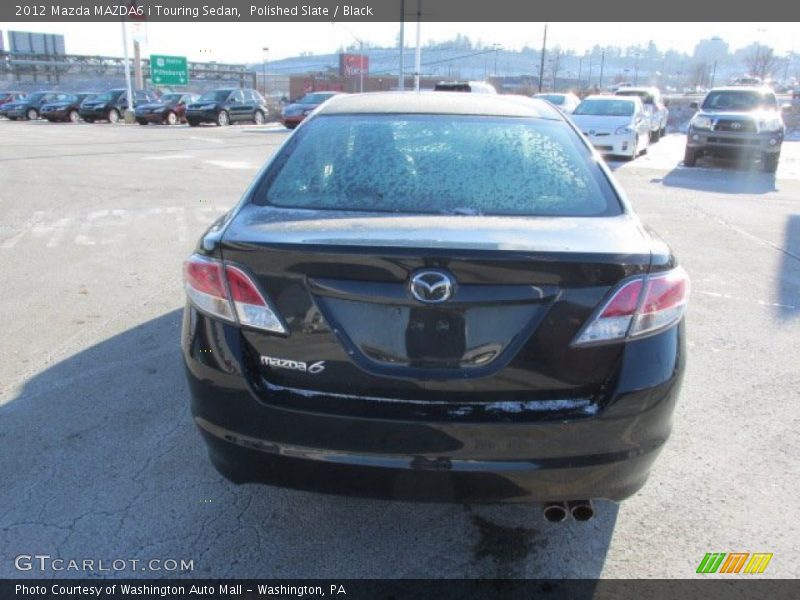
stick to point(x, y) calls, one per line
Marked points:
point(418, 54)
point(541, 61)
point(589, 83)
point(129, 91)
point(401, 82)
point(138, 77)
point(580, 64)
point(602, 68)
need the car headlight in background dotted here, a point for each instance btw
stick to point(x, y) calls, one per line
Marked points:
point(771, 124)
point(701, 122)
point(623, 130)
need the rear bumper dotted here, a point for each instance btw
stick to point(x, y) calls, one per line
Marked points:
point(518, 457)
point(730, 143)
point(294, 120)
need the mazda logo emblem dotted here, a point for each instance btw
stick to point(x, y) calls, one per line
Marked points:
point(432, 287)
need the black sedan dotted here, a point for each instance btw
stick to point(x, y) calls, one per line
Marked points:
point(111, 105)
point(29, 107)
point(65, 107)
point(169, 109)
point(228, 105)
point(436, 296)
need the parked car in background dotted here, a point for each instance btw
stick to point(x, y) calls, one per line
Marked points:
point(65, 107)
point(564, 102)
point(737, 121)
point(436, 297)
point(228, 105)
point(28, 107)
point(657, 112)
point(111, 105)
point(615, 125)
point(8, 97)
point(169, 109)
point(475, 87)
point(293, 114)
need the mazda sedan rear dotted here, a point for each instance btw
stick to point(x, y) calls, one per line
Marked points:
point(439, 297)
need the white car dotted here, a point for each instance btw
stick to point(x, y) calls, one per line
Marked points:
point(564, 102)
point(654, 106)
point(615, 125)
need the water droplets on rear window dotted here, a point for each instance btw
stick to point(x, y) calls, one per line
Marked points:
point(439, 164)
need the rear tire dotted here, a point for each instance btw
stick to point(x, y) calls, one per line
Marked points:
point(290, 125)
point(663, 131)
point(769, 162)
point(113, 116)
point(73, 116)
point(32, 114)
point(655, 136)
point(689, 157)
point(258, 118)
point(223, 118)
point(171, 118)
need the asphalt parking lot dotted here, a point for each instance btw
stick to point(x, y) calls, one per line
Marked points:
point(100, 459)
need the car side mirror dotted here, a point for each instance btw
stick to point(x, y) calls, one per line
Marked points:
point(694, 105)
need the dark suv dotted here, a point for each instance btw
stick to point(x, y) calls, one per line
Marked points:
point(170, 109)
point(228, 105)
point(737, 121)
point(111, 105)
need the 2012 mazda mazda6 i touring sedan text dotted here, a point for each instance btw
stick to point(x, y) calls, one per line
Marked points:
point(438, 297)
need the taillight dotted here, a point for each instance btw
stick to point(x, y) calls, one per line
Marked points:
point(202, 278)
point(234, 297)
point(252, 309)
point(642, 306)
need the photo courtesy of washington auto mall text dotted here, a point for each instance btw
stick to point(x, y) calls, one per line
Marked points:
point(399, 299)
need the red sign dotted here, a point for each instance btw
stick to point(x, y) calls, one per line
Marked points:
point(353, 65)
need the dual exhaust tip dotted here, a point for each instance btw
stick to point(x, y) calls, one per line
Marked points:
point(557, 512)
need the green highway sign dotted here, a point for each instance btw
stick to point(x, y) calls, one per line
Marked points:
point(169, 70)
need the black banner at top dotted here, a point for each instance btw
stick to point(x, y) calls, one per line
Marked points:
point(390, 10)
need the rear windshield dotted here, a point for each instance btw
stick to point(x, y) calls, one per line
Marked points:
point(605, 108)
point(553, 98)
point(445, 164)
point(646, 97)
point(739, 100)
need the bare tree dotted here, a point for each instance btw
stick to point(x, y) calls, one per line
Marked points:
point(761, 61)
point(556, 57)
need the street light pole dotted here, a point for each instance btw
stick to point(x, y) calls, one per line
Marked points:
point(418, 53)
point(266, 57)
point(602, 64)
point(128, 88)
point(401, 83)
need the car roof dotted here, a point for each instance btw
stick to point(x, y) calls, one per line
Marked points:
point(761, 89)
point(613, 98)
point(441, 103)
point(648, 89)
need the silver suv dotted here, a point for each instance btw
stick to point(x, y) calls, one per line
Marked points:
point(737, 121)
point(657, 112)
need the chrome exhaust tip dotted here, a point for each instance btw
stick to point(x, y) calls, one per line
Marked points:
point(555, 512)
point(581, 510)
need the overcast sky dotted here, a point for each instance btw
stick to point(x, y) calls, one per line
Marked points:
point(242, 42)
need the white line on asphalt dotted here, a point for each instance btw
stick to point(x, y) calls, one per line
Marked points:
point(166, 157)
point(231, 164)
point(205, 139)
point(748, 300)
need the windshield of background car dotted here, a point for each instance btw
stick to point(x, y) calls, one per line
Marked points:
point(171, 98)
point(314, 98)
point(605, 108)
point(739, 100)
point(553, 99)
point(445, 164)
point(215, 96)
